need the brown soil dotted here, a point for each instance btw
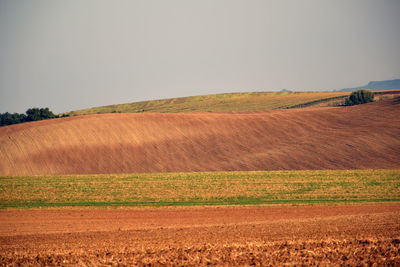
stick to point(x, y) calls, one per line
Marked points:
point(269, 235)
point(358, 137)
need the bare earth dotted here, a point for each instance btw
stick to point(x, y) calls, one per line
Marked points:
point(267, 235)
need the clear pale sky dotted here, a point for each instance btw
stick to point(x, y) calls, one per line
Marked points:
point(75, 54)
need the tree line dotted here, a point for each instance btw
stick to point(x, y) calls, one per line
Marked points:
point(32, 114)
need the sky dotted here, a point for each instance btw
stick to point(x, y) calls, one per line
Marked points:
point(75, 54)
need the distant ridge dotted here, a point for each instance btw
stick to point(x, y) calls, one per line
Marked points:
point(376, 85)
point(228, 102)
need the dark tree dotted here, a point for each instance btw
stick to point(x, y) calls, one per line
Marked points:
point(360, 97)
point(5, 119)
point(45, 113)
point(8, 118)
point(33, 114)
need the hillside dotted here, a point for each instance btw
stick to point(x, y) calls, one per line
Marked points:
point(217, 103)
point(358, 137)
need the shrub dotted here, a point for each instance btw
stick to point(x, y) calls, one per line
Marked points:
point(36, 114)
point(360, 97)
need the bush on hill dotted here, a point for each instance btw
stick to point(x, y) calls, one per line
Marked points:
point(36, 114)
point(360, 97)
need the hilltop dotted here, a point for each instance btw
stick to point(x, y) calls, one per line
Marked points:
point(230, 102)
point(357, 137)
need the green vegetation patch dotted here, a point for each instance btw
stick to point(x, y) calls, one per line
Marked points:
point(205, 188)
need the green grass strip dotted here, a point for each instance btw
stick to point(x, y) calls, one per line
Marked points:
point(199, 189)
point(192, 203)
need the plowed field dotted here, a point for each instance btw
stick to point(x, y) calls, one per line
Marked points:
point(328, 235)
point(358, 137)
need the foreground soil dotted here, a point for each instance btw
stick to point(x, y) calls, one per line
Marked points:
point(268, 235)
point(358, 137)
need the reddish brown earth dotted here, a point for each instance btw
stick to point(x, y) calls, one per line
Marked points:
point(268, 235)
point(358, 137)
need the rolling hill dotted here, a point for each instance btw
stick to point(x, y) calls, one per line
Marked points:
point(250, 101)
point(232, 102)
point(357, 137)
